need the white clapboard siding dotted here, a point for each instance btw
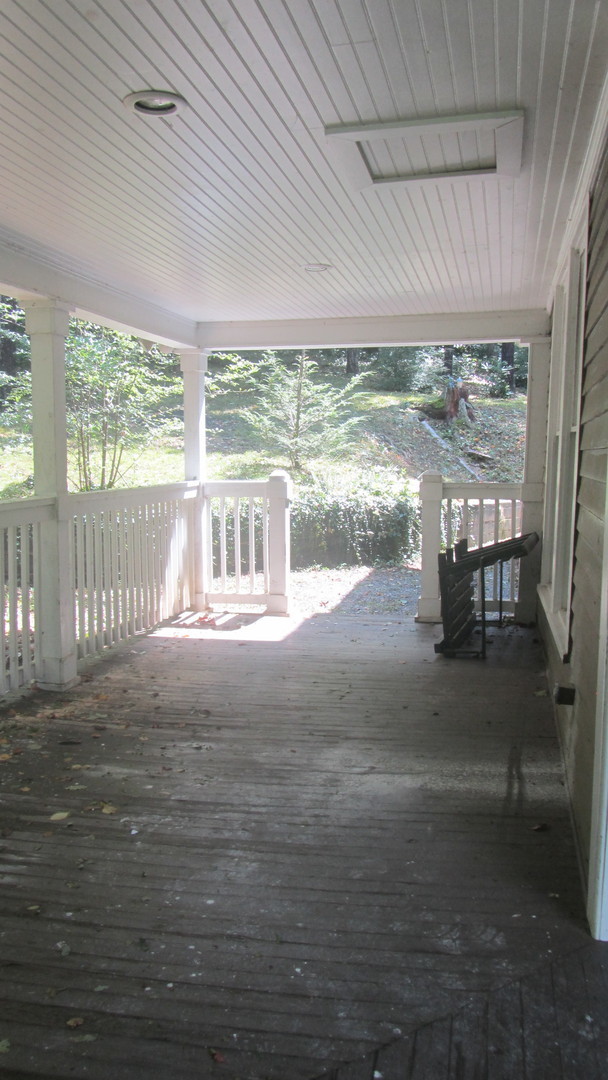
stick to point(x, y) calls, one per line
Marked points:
point(578, 730)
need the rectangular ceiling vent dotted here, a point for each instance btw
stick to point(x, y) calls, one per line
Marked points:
point(444, 148)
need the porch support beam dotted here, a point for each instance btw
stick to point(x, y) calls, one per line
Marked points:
point(194, 364)
point(47, 323)
point(539, 362)
point(472, 327)
point(279, 564)
point(431, 495)
point(24, 276)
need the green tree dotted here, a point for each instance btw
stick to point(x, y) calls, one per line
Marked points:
point(120, 394)
point(14, 342)
point(299, 417)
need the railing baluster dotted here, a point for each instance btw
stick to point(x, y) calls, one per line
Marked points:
point(80, 585)
point(145, 567)
point(251, 545)
point(208, 520)
point(113, 520)
point(223, 543)
point(130, 566)
point(26, 630)
point(266, 561)
point(172, 559)
point(36, 577)
point(13, 648)
point(107, 576)
point(236, 504)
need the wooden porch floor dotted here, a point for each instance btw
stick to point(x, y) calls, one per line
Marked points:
point(282, 851)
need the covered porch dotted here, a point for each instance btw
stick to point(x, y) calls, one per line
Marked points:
point(287, 849)
point(295, 848)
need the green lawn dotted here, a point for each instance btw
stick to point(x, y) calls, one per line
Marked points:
point(392, 444)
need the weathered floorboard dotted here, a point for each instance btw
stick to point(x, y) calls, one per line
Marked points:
point(292, 850)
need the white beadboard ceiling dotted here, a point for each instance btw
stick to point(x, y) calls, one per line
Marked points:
point(211, 215)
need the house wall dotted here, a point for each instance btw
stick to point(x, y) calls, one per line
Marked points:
point(571, 597)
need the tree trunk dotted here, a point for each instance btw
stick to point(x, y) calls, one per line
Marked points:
point(352, 361)
point(452, 400)
point(507, 361)
point(448, 359)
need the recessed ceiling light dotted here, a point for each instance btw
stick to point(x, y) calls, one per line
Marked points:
point(154, 102)
point(317, 268)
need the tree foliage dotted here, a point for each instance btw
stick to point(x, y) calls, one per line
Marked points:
point(301, 418)
point(120, 394)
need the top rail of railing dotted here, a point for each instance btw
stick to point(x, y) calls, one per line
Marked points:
point(26, 511)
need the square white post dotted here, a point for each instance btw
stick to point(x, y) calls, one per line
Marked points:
point(47, 323)
point(193, 363)
point(279, 554)
point(534, 474)
point(431, 495)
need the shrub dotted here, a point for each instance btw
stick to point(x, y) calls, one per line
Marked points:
point(360, 525)
point(367, 524)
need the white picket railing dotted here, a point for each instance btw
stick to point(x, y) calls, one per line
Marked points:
point(132, 560)
point(247, 541)
point(20, 569)
point(484, 514)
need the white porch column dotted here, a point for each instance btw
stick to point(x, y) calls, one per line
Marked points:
point(431, 493)
point(279, 561)
point(47, 323)
point(539, 361)
point(193, 363)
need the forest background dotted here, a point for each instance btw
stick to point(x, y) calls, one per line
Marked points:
point(355, 427)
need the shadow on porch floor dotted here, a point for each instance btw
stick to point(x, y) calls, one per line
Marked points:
point(270, 847)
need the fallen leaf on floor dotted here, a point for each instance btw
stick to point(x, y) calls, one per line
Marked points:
point(108, 808)
point(75, 1022)
point(61, 815)
point(5, 757)
point(4, 1046)
point(543, 827)
point(216, 1056)
point(63, 948)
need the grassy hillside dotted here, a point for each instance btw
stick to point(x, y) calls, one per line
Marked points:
point(392, 442)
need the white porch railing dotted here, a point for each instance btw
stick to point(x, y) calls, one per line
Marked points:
point(132, 560)
point(484, 514)
point(20, 567)
point(134, 557)
point(247, 541)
